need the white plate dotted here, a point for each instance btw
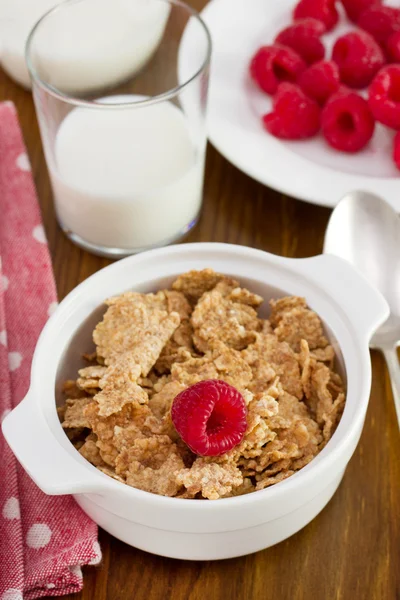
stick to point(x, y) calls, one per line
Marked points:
point(309, 170)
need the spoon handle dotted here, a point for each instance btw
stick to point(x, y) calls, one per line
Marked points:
point(392, 362)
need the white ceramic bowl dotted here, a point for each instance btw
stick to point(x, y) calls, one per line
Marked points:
point(198, 529)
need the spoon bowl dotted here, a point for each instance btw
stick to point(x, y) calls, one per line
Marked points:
point(365, 231)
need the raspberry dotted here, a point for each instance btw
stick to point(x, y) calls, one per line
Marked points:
point(347, 122)
point(354, 8)
point(295, 117)
point(393, 47)
point(303, 37)
point(396, 150)
point(323, 10)
point(358, 57)
point(380, 22)
point(210, 417)
point(384, 96)
point(320, 81)
point(273, 64)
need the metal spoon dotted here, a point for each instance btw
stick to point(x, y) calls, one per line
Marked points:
point(365, 231)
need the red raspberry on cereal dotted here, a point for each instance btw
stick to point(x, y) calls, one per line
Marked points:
point(380, 22)
point(210, 417)
point(393, 47)
point(358, 57)
point(273, 64)
point(354, 8)
point(323, 10)
point(396, 150)
point(384, 96)
point(304, 37)
point(320, 81)
point(294, 116)
point(347, 122)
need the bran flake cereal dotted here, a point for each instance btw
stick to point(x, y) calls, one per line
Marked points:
point(151, 347)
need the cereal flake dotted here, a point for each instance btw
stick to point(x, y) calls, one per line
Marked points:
point(212, 480)
point(135, 324)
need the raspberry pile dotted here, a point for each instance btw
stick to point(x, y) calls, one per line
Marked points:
point(313, 92)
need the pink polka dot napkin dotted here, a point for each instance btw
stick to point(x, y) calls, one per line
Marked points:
point(44, 540)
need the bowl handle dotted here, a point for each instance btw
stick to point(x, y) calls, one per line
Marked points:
point(46, 461)
point(364, 304)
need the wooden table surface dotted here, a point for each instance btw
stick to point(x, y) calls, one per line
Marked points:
point(351, 551)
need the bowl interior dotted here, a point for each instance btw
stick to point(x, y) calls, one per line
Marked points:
point(81, 341)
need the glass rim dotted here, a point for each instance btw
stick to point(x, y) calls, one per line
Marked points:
point(76, 101)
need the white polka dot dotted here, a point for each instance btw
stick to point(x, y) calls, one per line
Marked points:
point(23, 163)
point(11, 509)
point(3, 337)
point(4, 414)
point(96, 559)
point(52, 308)
point(12, 594)
point(38, 536)
point(14, 360)
point(39, 234)
point(76, 570)
point(4, 283)
point(50, 586)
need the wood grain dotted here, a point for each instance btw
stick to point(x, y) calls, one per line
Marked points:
point(351, 551)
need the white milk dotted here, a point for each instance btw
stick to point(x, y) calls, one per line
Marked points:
point(17, 17)
point(127, 178)
point(93, 44)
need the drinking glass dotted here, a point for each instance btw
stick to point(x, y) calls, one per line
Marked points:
point(120, 90)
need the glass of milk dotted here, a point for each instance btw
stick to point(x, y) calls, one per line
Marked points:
point(120, 90)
